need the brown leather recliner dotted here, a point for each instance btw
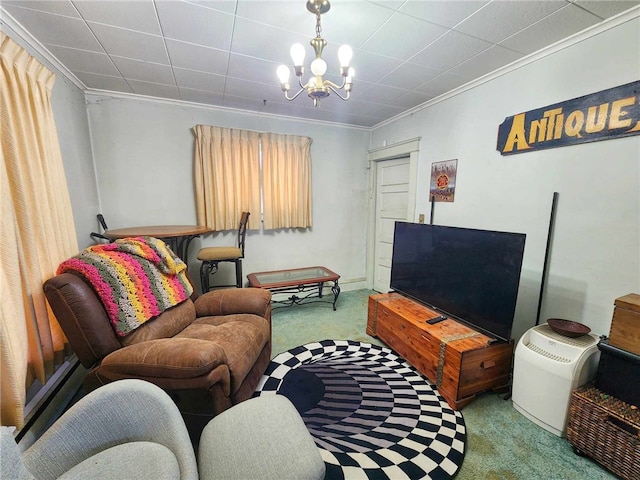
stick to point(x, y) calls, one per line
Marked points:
point(208, 353)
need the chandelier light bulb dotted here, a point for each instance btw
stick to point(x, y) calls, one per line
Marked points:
point(350, 76)
point(297, 54)
point(345, 54)
point(318, 67)
point(283, 74)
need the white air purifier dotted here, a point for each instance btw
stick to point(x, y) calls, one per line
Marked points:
point(547, 368)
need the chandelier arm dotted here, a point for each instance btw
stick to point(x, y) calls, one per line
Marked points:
point(330, 85)
point(295, 96)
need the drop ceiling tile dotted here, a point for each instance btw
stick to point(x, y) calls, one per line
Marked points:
point(450, 50)
point(376, 109)
point(200, 96)
point(561, 24)
point(69, 32)
point(607, 8)
point(104, 82)
point(381, 94)
point(286, 15)
point(196, 24)
point(409, 76)
point(60, 7)
point(154, 89)
point(442, 12)
point(486, 62)
point(197, 57)
point(144, 71)
point(442, 84)
point(254, 90)
point(84, 61)
point(351, 22)
point(253, 69)
point(499, 20)
point(130, 44)
point(227, 6)
point(263, 41)
point(412, 99)
point(137, 15)
point(371, 67)
point(199, 80)
point(416, 35)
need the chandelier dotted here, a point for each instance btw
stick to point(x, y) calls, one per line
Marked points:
point(316, 87)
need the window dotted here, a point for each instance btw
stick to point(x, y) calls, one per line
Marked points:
point(239, 170)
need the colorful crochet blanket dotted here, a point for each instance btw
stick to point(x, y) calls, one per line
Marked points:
point(136, 279)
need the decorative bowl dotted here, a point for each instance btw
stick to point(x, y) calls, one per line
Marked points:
point(568, 328)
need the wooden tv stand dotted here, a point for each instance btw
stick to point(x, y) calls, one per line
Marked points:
point(458, 360)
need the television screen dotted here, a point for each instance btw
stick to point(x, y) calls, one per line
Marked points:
point(468, 274)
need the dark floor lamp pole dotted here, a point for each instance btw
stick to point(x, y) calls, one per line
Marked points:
point(554, 205)
point(433, 203)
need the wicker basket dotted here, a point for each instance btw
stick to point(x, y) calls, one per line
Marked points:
point(606, 429)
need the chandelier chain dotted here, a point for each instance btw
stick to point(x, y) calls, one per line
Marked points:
point(318, 26)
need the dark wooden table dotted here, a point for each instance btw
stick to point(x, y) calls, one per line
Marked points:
point(177, 236)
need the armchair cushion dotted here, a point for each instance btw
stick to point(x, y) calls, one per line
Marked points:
point(11, 464)
point(264, 434)
point(143, 460)
point(122, 412)
point(166, 357)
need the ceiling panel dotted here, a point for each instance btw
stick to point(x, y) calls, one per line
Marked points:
point(139, 15)
point(225, 52)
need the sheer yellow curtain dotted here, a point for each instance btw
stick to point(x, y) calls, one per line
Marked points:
point(37, 226)
point(227, 176)
point(286, 172)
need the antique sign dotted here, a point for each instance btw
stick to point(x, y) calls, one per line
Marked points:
point(443, 180)
point(604, 115)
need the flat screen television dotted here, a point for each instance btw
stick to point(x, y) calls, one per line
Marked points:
point(468, 274)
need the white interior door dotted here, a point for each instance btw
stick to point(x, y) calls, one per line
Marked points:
point(392, 199)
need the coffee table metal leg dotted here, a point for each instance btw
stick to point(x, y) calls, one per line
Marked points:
point(336, 291)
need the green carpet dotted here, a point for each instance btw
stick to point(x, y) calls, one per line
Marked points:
point(501, 443)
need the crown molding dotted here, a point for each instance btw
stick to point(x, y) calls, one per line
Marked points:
point(218, 108)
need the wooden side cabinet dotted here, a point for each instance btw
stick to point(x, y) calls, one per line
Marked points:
point(459, 361)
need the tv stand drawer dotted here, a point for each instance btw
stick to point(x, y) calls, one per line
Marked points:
point(409, 341)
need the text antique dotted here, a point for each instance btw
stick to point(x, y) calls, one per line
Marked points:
point(604, 115)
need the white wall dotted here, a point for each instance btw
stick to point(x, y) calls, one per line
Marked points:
point(143, 152)
point(596, 244)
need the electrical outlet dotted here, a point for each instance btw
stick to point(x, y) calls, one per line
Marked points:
point(421, 218)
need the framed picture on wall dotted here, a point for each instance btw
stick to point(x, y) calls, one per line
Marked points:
point(443, 181)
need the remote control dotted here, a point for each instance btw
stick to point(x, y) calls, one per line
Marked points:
point(431, 321)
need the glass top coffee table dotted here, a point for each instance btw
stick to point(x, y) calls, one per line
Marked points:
point(308, 280)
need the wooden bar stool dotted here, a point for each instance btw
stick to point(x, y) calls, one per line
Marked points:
point(212, 256)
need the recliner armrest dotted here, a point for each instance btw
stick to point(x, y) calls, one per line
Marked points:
point(235, 300)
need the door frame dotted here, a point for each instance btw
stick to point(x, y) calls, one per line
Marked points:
point(408, 148)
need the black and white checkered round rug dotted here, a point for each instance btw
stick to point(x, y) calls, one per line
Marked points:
point(372, 415)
